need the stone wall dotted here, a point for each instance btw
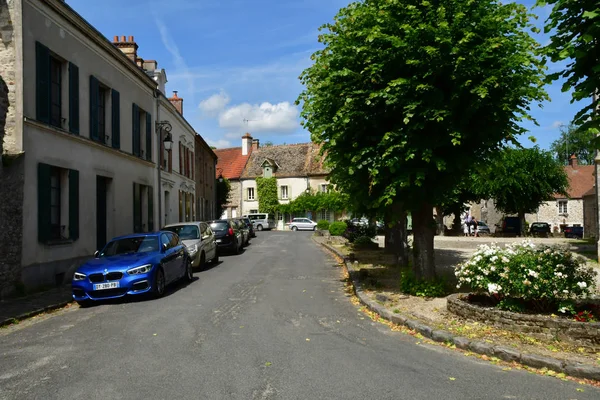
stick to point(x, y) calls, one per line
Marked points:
point(235, 198)
point(590, 217)
point(548, 212)
point(12, 165)
point(587, 333)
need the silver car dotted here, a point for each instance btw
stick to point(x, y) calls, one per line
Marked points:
point(199, 240)
point(302, 224)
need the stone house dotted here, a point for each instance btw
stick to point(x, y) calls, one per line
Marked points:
point(561, 211)
point(78, 123)
point(206, 190)
point(297, 167)
point(230, 165)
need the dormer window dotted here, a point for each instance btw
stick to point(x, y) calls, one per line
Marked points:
point(269, 167)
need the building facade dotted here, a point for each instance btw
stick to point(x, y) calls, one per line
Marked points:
point(205, 162)
point(78, 123)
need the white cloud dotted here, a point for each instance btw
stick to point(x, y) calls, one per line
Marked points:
point(266, 117)
point(557, 124)
point(219, 144)
point(215, 104)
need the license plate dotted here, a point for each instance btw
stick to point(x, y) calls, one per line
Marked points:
point(218, 240)
point(108, 285)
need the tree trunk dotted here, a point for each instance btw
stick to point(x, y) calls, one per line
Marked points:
point(396, 237)
point(522, 224)
point(423, 253)
point(439, 220)
point(457, 224)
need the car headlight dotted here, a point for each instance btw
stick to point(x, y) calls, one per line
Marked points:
point(78, 276)
point(140, 270)
point(193, 249)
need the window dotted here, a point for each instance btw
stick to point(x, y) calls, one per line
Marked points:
point(252, 216)
point(324, 188)
point(324, 214)
point(562, 207)
point(284, 192)
point(99, 96)
point(143, 208)
point(142, 133)
point(58, 204)
point(55, 92)
point(250, 194)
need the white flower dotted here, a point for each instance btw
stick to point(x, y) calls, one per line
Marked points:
point(533, 273)
point(565, 291)
point(493, 288)
point(468, 279)
point(526, 282)
point(559, 274)
point(492, 268)
point(494, 258)
point(547, 251)
point(582, 285)
point(505, 260)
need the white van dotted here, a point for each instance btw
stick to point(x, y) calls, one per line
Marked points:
point(261, 220)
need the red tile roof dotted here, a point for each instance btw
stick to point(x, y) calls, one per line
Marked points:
point(581, 180)
point(231, 162)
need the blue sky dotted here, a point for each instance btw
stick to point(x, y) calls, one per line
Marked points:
point(236, 60)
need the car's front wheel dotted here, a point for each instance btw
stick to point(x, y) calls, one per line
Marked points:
point(259, 227)
point(294, 228)
point(159, 283)
point(189, 274)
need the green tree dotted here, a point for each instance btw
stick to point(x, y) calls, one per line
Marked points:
point(520, 180)
point(574, 141)
point(405, 95)
point(223, 188)
point(268, 143)
point(575, 27)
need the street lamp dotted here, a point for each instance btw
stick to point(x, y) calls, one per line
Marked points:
point(161, 126)
point(220, 174)
point(166, 127)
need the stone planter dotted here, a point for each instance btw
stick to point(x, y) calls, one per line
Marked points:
point(541, 326)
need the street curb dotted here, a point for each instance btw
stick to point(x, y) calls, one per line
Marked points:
point(508, 354)
point(21, 317)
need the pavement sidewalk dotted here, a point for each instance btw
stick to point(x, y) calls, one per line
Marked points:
point(16, 309)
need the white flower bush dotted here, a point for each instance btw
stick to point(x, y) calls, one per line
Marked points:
point(543, 276)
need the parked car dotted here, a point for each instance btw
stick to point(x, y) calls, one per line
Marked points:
point(132, 265)
point(250, 226)
point(302, 224)
point(241, 225)
point(483, 228)
point(227, 235)
point(261, 220)
point(542, 229)
point(199, 239)
point(510, 226)
point(575, 232)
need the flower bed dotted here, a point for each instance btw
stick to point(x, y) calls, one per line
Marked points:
point(527, 279)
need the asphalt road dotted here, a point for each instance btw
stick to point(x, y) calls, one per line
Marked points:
point(272, 323)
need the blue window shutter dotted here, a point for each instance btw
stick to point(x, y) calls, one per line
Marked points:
point(148, 136)
point(73, 99)
point(116, 119)
point(42, 83)
point(94, 98)
point(44, 231)
point(136, 130)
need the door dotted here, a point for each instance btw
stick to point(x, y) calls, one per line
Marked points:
point(101, 212)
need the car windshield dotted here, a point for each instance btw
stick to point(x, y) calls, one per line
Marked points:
point(219, 226)
point(131, 245)
point(185, 232)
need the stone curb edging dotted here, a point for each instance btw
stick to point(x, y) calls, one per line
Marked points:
point(509, 354)
point(21, 317)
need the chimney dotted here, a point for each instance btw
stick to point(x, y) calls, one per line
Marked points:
point(573, 160)
point(177, 102)
point(128, 47)
point(254, 144)
point(246, 144)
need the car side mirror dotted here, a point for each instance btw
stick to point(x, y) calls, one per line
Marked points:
point(96, 254)
point(164, 247)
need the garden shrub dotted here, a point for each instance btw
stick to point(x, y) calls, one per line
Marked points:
point(409, 284)
point(323, 225)
point(541, 276)
point(337, 228)
point(363, 240)
point(354, 231)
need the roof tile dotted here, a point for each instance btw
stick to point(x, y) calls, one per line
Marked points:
point(231, 162)
point(581, 180)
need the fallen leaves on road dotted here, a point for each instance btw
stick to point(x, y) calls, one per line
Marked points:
point(452, 379)
point(268, 364)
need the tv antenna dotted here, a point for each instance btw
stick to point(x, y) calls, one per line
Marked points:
point(248, 120)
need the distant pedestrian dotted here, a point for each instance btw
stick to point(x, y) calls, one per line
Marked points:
point(474, 226)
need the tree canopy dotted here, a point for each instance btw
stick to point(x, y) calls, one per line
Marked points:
point(223, 191)
point(574, 141)
point(520, 180)
point(406, 95)
point(575, 27)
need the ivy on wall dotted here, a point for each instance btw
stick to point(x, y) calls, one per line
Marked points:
point(267, 195)
point(332, 201)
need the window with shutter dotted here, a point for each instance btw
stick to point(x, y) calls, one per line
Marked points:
point(150, 209)
point(94, 102)
point(44, 202)
point(116, 119)
point(73, 99)
point(73, 204)
point(42, 83)
point(137, 208)
point(181, 158)
point(55, 92)
point(148, 136)
point(136, 130)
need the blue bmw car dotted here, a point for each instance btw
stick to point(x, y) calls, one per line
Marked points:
point(132, 265)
